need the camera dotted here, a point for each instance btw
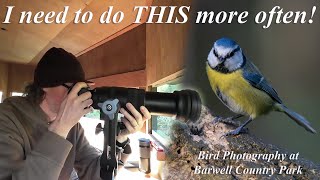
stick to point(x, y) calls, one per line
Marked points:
point(184, 105)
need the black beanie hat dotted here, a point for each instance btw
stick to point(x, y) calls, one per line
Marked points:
point(56, 67)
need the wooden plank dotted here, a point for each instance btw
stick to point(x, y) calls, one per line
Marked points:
point(168, 79)
point(126, 53)
point(4, 72)
point(19, 76)
point(130, 79)
point(166, 44)
point(121, 31)
point(115, 35)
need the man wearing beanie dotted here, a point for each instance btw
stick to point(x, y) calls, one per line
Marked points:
point(40, 137)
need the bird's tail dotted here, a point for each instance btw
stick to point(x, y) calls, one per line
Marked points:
point(297, 118)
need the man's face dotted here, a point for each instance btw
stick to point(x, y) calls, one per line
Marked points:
point(55, 96)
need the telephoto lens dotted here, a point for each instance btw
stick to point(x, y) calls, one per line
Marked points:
point(184, 105)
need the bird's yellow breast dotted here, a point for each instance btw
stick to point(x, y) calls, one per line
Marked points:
point(243, 98)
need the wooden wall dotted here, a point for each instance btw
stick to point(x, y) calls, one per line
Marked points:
point(130, 79)
point(19, 76)
point(123, 54)
point(14, 77)
point(141, 57)
point(166, 45)
point(4, 77)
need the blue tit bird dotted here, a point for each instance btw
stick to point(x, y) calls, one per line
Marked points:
point(238, 83)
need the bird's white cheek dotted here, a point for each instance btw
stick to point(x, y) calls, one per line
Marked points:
point(234, 62)
point(212, 59)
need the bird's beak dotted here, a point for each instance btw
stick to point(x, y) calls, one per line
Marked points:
point(221, 60)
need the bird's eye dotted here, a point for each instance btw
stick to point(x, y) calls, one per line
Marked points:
point(230, 55)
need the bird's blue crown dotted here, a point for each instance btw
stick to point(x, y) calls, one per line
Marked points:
point(225, 42)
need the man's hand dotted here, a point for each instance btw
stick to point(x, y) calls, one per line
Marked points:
point(133, 123)
point(71, 110)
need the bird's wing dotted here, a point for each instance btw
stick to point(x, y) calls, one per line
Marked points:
point(252, 74)
point(250, 67)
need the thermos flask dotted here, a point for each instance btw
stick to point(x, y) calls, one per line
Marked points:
point(144, 149)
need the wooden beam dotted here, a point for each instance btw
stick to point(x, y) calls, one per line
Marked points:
point(130, 79)
point(169, 78)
